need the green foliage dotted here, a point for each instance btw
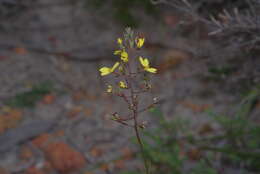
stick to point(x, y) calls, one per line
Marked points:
point(242, 133)
point(218, 74)
point(123, 10)
point(202, 167)
point(163, 149)
point(220, 71)
point(237, 143)
point(29, 98)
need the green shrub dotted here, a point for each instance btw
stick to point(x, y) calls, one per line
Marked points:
point(237, 144)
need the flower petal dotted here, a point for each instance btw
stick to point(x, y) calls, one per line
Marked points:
point(141, 60)
point(115, 66)
point(117, 52)
point(124, 56)
point(140, 42)
point(146, 62)
point(119, 41)
point(151, 70)
point(105, 71)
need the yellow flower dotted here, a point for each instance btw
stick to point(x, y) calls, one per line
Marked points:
point(145, 63)
point(106, 70)
point(109, 89)
point(124, 56)
point(122, 84)
point(117, 52)
point(119, 41)
point(139, 42)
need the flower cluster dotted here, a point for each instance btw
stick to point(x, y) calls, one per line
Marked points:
point(124, 60)
point(130, 81)
point(146, 66)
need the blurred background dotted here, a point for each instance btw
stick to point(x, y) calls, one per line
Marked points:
point(55, 114)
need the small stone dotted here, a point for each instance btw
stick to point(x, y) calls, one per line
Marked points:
point(64, 158)
point(41, 140)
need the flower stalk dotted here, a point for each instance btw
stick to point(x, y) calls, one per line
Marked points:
point(130, 80)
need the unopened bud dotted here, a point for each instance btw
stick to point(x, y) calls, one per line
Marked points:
point(143, 125)
point(115, 117)
point(131, 107)
point(148, 86)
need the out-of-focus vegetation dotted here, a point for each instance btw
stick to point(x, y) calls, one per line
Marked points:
point(29, 98)
point(9, 8)
point(236, 22)
point(123, 10)
point(175, 147)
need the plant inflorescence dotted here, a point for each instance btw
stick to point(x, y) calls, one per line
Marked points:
point(130, 80)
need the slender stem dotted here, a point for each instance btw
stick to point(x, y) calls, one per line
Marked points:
point(130, 117)
point(126, 124)
point(135, 115)
point(140, 142)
